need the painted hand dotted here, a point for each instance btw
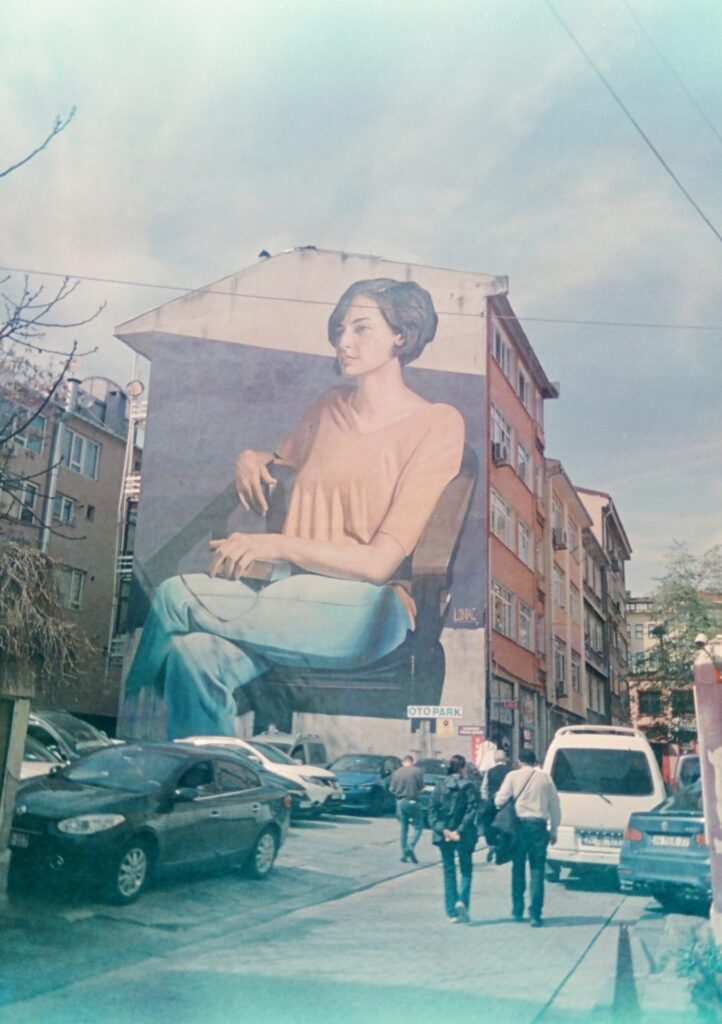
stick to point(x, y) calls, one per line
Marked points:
point(408, 602)
point(251, 474)
point(233, 555)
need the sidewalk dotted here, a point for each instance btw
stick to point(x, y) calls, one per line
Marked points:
point(388, 955)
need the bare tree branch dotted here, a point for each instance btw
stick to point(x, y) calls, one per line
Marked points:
point(60, 125)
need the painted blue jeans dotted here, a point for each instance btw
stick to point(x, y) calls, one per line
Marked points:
point(204, 638)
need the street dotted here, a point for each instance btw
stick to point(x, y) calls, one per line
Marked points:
point(342, 930)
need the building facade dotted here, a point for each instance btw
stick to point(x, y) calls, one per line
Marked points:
point(64, 476)
point(517, 517)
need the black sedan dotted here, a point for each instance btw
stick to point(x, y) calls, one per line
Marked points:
point(117, 815)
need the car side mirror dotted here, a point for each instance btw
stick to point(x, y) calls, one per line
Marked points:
point(185, 794)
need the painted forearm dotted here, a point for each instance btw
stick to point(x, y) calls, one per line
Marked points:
point(372, 563)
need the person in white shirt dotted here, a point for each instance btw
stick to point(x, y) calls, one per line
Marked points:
point(537, 807)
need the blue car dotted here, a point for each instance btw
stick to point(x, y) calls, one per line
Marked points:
point(664, 852)
point(364, 779)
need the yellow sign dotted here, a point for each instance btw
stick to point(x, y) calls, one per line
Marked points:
point(445, 728)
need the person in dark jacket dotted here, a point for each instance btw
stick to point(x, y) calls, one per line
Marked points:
point(452, 818)
point(493, 779)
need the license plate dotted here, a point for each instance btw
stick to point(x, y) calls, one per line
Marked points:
point(19, 840)
point(670, 840)
point(601, 841)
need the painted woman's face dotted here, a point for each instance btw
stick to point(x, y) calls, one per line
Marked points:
point(364, 341)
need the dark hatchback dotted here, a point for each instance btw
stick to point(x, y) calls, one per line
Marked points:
point(118, 815)
point(664, 851)
point(364, 779)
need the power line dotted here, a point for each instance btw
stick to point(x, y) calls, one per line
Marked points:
point(638, 128)
point(183, 289)
point(672, 70)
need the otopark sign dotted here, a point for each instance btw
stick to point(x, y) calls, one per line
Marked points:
point(433, 711)
point(708, 706)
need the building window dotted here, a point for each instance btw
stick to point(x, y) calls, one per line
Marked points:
point(639, 631)
point(526, 626)
point(503, 609)
point(501, 432)
point(522, 464)
point(502, 520)
point(72, 585)
point(503, 354)
point(576, 673)
point(560, 666)
point(90, 513)
point(80, 454)
point(683, 701)
point(540, 556)
point(574, 603)
point(18, 499)
point(557, 514)
point(525, 544)
point(541, 642)
point(538, 481)
point(573, 537)
point(64, 508)
point(31, 436)
point(559, 586)
point(650, 630)
point(650, 702)
point(525, 392)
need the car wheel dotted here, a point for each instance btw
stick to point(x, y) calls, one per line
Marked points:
point(130, 872)
point(377, 803)
point(263, 855)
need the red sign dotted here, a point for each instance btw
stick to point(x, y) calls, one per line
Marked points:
point(510, 703)
point(476, 742)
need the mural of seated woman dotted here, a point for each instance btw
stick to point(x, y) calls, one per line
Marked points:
point(371, 459)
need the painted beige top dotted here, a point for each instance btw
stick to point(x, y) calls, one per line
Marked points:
point(352, 485)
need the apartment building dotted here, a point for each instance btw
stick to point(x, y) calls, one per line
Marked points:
point(596, 649)
point(517, 517)
point(568, 519)
point(71, 513)
point(610, 535)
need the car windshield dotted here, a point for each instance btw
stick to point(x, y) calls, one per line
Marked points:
point(613, 772)
point(35, 751)
point(685, 800)
point(432, 766)
point(272, 753)
point(134, 769)
point(80, 736)
point(368, 763)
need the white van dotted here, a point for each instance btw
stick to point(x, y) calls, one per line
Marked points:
point(603, 773)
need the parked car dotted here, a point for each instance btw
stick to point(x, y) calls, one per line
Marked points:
point(364, 779)
point(320, 789)
point(665, 852)
point(435, 771)
point(305, 749)
point(687, 770)
point(37, 759)
point(114, 817)
point(603, 774)
point(64, 734)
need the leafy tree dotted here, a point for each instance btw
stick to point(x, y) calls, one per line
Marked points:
point(686, 602)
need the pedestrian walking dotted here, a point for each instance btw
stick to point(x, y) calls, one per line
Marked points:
point(490, 785)
point(453, 820)
point(406, 784)
point(539, 813)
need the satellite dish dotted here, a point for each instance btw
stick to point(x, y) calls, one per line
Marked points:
point(135, 389)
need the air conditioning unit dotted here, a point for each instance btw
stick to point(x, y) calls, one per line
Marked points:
point(559, 538)
point(500, 454)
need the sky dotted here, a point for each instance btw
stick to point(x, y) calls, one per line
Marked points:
point(465, 134)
